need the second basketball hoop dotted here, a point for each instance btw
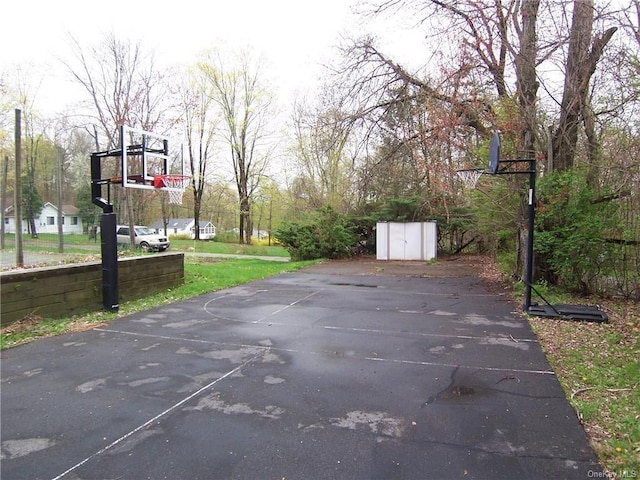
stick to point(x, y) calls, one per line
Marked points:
point(173, 184)
point(470, 176)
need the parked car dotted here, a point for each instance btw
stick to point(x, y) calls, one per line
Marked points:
point(146, 238)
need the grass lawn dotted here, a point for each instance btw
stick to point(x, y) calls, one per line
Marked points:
point(598, 366)
point(191, 246)
point(48, 242)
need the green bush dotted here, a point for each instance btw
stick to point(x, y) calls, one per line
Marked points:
point(571, 232)
point(327, 234)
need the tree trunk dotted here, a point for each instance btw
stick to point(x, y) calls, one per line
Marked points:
point(526, 79)
point(3, 206)
point(527, 90)
point(581, 64)
point(196, 218)
point(594, 147)
point(32, 228)
point(245, 221)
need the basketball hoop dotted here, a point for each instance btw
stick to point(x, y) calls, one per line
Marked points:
point(174, 184)
point(470, 176)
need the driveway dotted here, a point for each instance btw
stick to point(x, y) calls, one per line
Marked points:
point(344, 370)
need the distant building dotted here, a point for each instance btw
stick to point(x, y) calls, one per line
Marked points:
point(186, 226)
point(260, 234)
point(47, 221)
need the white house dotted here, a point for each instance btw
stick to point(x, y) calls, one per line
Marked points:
point(47, 222)
point(186, 226)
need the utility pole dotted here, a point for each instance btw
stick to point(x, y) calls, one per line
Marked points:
point(60, 219)
point(3, 206)
point(17, 194)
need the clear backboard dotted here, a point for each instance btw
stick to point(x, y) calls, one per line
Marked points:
point(144, 160)
point(145, 156)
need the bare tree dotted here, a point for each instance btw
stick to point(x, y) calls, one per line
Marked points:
point(124, 87)
point(112, 75)
point(245, 106)
point(478, 32)
point(322, 135)
point(34, 148)
point(500, 37)
point(375, 83)
point(196, 105)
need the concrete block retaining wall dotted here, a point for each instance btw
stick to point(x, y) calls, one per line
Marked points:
point(63, 290)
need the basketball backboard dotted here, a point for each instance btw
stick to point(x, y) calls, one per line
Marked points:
point(494, 153)
point(145, 156)
point(142, 159)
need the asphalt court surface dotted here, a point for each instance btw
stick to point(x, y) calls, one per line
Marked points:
point(317, 374)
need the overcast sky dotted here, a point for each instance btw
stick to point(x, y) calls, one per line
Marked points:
point(295, 36)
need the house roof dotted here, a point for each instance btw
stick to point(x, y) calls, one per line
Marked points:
point(66, 209)
point(70, 209)
point(179, 223)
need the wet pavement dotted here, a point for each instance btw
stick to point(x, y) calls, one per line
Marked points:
point(309, 375)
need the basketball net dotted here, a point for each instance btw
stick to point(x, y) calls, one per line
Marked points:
point(470, 176)
point(175, 186)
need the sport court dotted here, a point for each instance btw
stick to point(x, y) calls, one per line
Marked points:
point(358, 372)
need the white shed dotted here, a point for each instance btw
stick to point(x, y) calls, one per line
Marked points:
point(406, 241)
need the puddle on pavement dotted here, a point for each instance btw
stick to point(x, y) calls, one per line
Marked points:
point(346, 284)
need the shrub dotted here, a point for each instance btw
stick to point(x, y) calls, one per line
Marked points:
point(179, 236)
point(264, 242)
point(572, 230)
point(327, 234)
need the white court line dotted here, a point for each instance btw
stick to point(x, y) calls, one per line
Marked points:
point(181, 339)
point(157, 417)
point(349, 329)
point(311, 352)
point(326, 327)
point(288, 306)
point(434, 364)
point(150, 335)
point(419, 334)
point(205, 307)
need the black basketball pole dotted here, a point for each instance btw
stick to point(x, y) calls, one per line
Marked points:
point(109, 250)
point(108, 239)
point(573, 312)
point(531, 221)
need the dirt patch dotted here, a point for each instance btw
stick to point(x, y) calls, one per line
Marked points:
point(443, 267)
point(38, 326)
point(27, 323)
